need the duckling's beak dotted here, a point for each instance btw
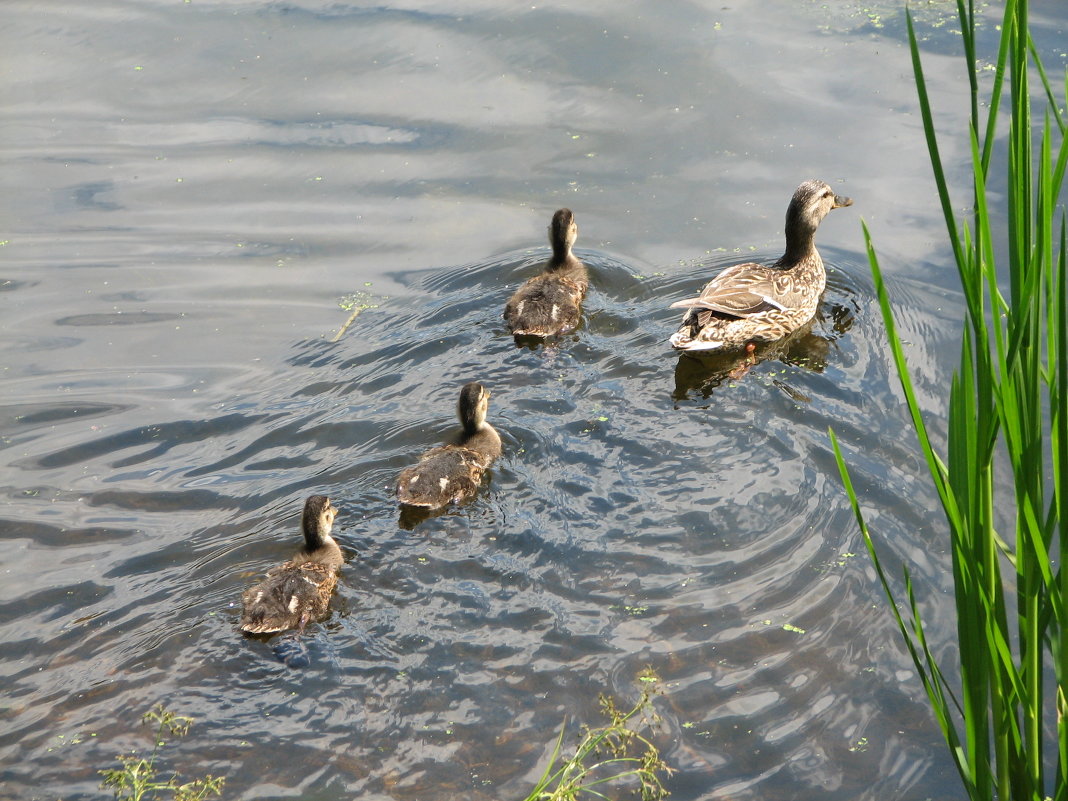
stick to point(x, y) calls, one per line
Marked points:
point(840, 201)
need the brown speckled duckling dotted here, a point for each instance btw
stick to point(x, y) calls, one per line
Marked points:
point(453, 472)
point(551, 303)
point(297, 592)
point(750, 303)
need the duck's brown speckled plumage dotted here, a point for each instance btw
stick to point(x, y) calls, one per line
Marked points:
point(749, 303)
point(452, 473)
point(551, 303)
point(298, 591)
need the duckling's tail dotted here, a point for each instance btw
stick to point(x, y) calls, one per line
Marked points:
point(261, 619)
point(533, 332)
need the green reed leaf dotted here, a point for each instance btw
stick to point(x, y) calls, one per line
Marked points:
point(1008, 405)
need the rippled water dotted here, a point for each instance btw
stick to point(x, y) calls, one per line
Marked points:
point(200, 193)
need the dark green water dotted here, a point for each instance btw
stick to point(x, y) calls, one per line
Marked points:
point(192, 193)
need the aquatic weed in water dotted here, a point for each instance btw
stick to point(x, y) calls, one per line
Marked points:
point(615, 753)
point(136, 779)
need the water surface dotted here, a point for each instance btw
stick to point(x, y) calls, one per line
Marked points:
point(197, 196)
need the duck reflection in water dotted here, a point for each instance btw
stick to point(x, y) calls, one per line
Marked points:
point(412, 516)
point(704, 371)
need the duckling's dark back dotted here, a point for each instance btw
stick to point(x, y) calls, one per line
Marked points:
point(290, 597)
point(443, 475)
point(548, 304)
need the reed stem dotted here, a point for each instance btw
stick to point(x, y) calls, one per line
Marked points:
point(1008, 401)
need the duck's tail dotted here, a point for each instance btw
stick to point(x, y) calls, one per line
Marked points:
point(681, 340)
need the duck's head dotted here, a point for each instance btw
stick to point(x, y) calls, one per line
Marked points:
point(563, 231)
point(318, 519)
point(812, 201)
point(474, 401)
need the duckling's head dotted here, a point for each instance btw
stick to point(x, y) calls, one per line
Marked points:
point(474, 401)
point(318, 519)
point(563, 231)
point(812, 201)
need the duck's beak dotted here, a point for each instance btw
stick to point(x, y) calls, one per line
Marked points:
point(840, 201)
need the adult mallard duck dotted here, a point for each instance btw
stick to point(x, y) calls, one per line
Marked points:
point(551, 303)
point(750, 303)
point(297, 592)
point(453, 472)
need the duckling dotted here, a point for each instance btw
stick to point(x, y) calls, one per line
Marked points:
point(750, 303)
point(297, 591)
point(551, 303)
point(451, 473)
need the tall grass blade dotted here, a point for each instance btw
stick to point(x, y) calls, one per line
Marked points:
point(921, 655)
point(1008, 405)
point(932, 143)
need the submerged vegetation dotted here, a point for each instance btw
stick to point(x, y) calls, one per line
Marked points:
point(137, 777)
point(1005, 722)
point(613, 754)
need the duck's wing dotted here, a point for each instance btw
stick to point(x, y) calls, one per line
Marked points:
point(738, 291)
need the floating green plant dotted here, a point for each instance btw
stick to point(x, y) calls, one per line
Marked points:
point(355, 302)
point(612, 754)
point(137, 777)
